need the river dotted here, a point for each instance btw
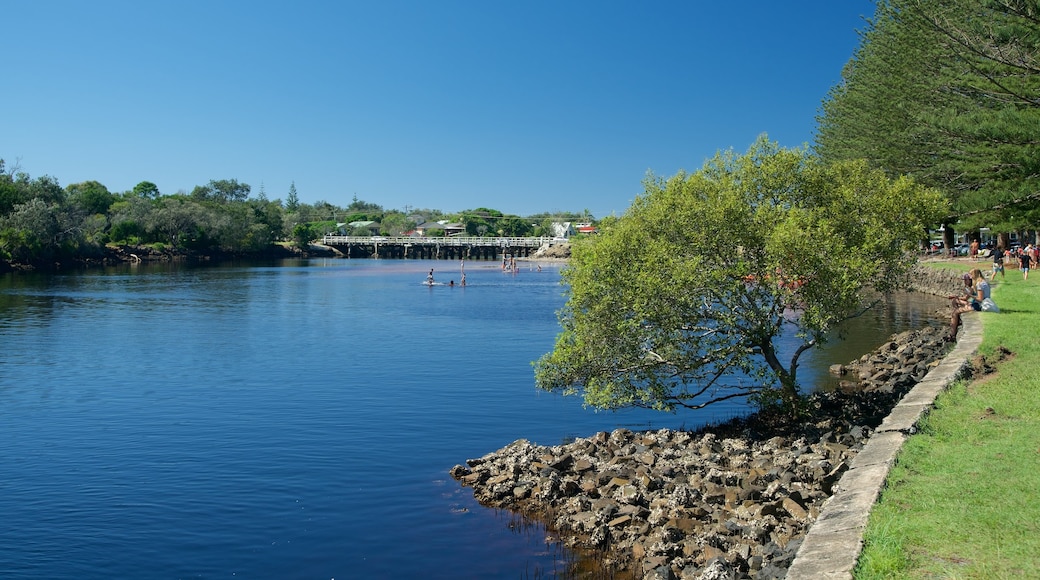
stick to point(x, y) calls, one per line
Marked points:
point(288, 420)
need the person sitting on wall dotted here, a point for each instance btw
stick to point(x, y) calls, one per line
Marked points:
point(978, 299)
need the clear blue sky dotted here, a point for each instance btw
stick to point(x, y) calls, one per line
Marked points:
point(523, 107)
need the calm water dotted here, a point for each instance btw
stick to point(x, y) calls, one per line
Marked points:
point(288, 421)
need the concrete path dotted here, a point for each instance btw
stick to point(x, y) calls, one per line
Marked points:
point(835, 540)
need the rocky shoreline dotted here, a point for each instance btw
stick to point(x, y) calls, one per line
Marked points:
point(726, 501)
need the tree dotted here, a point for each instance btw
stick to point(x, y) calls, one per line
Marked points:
point(514, 226)
point(292, 201)
point(91, 196)
point(129, 217)
point(221, 190)
point(945, 91)
point(146, 189)
point(177, 221)
point(268, 213)
point(302, 234)
point(45, 188)
point(11, 191)
point(394, 223)
point(30, 231)
point(680, 302)
point(357, 205)
point(479, 221)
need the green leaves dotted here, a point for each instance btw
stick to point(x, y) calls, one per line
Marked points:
point(945, 91)
point(680, 301)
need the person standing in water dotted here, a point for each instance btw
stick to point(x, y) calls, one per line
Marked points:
point(429, 277)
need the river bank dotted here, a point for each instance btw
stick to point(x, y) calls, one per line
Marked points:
point(961, 500)
point(129, 254)
point(136, 254)
point(732, 500)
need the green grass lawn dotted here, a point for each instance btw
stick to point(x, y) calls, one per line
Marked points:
point(963, 500)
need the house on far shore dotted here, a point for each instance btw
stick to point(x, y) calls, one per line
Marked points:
point(563, 229)
point(360, 227)
point(454, 229)
point(449, 229)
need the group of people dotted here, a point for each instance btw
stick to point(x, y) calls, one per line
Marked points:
point(430, 281)
point(509, 264)
point(1025, 257)
point(975, 296)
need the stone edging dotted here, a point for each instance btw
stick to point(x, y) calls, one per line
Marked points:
point(833, 543)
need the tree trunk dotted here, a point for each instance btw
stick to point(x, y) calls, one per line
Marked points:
point(948, 235)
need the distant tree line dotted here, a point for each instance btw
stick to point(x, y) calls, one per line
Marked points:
point(43, 222)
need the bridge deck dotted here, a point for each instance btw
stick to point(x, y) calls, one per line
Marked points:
point(471, 247)
point(459, 241)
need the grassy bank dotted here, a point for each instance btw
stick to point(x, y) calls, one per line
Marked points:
point(963, 500)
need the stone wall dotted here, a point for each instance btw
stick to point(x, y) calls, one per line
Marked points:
point(730, 501)
point(938, 282)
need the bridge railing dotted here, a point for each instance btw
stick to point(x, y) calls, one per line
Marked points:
point(513, 242)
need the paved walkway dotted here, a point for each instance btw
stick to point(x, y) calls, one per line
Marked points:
point(835, 540)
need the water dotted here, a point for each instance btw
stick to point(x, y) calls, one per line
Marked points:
point(293, 420)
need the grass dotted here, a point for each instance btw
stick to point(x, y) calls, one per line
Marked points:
point(963, 500)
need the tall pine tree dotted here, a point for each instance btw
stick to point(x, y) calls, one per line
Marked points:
point(292, 201)
point(947, 91)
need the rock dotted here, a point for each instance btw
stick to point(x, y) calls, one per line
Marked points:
point(794, 508)
point(729, 501)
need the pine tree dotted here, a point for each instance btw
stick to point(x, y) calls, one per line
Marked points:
point(292, 201)
point(945, 91)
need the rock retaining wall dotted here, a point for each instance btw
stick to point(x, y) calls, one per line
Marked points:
point(939, 282)
point(732, 501)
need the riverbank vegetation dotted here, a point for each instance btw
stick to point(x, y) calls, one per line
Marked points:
point(961, 502)
point(682, 301)
point(692, 285)
point(43, 224)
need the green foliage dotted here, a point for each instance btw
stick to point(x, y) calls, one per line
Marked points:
point(358, 217)
point(303, 234)
point(395, 224)
point(514, 226)
point(364, 207)
point(126, 232)
point(11, 193)
point(91, 196)
point(480, 221)
point(146, 189)
point(292, 201)
point(257, 237)
point(44, 221)
point(221, 190)
point(680, 301)
point(945, 91)
point(19, 245)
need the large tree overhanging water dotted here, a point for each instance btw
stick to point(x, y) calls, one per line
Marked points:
point(679, 303)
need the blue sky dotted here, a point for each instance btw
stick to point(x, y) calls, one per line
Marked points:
point(524, 107)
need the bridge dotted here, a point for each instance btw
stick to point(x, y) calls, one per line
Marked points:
point(436, 248)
